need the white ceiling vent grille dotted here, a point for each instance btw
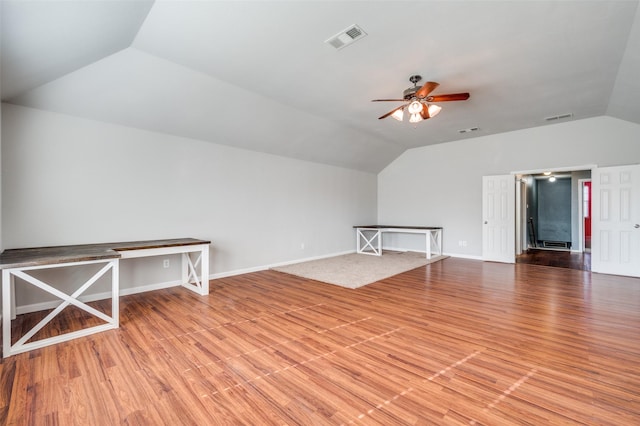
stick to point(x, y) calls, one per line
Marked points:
point(558, 117)
point(346, 37)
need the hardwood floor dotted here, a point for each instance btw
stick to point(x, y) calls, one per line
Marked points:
point(458, 342)
point(557, 258)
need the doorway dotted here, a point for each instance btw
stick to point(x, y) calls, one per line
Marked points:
point(554, 222)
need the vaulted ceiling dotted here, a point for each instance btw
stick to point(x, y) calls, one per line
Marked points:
point(259, 75)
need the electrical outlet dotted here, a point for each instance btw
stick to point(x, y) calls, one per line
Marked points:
point(301, 246)
point(165, 263)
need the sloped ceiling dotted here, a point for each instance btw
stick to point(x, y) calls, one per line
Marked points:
point(258, 75)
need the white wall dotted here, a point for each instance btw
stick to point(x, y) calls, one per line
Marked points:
point(1, 173)
point(69, 181)
point(441, 185)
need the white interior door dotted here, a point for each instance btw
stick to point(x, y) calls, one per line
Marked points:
point(616, 220)
point(498, 218)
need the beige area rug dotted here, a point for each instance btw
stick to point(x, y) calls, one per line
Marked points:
point(356, 270)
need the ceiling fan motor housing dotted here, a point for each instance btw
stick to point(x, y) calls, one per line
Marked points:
point(410, 92)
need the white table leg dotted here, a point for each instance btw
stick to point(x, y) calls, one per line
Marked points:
point(204, 273)
point(13, 296)
point(6, 313)
point(190, 278)
point(368, 242)
point(115, 293)
point(22, 345)
point(438, 241)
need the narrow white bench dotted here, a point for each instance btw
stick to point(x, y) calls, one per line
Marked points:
point(20, 263)
point(369, 237)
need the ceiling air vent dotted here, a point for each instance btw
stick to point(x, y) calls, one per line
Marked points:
point(558, 117)
point(346, 37)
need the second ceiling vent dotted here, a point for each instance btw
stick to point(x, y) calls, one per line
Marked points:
point(346, 37)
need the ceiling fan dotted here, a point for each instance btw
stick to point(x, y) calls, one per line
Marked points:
point(419, 104)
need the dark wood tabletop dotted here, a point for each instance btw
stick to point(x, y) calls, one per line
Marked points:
point(37, 256)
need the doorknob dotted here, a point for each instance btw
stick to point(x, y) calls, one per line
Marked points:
point(486, 222)
point(637, 225)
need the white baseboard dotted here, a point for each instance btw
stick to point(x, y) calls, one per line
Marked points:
point(464, 256)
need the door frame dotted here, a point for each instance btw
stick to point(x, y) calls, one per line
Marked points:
point(521, 216)
point(581, 240)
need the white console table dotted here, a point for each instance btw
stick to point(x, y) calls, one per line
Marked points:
point(369, 238)
point(19, 263)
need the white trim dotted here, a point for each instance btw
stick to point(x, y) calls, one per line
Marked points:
point(556, 169)
point(464, 256)
point(581, 241)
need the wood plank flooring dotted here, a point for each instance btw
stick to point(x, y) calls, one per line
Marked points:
point(557, 258)
point(458, 342)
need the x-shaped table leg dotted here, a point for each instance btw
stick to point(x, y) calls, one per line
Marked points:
point(67, 299)
point(377, 251)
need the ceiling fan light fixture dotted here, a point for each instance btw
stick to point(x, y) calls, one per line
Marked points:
point(434, 110)
point(398, 114)
point(415, 118)
point(415, 107)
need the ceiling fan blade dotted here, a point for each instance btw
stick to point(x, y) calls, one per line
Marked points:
point(388, 100)
point(450, 97)
point(425, 113)
point(391, 112)
point(428, 87)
